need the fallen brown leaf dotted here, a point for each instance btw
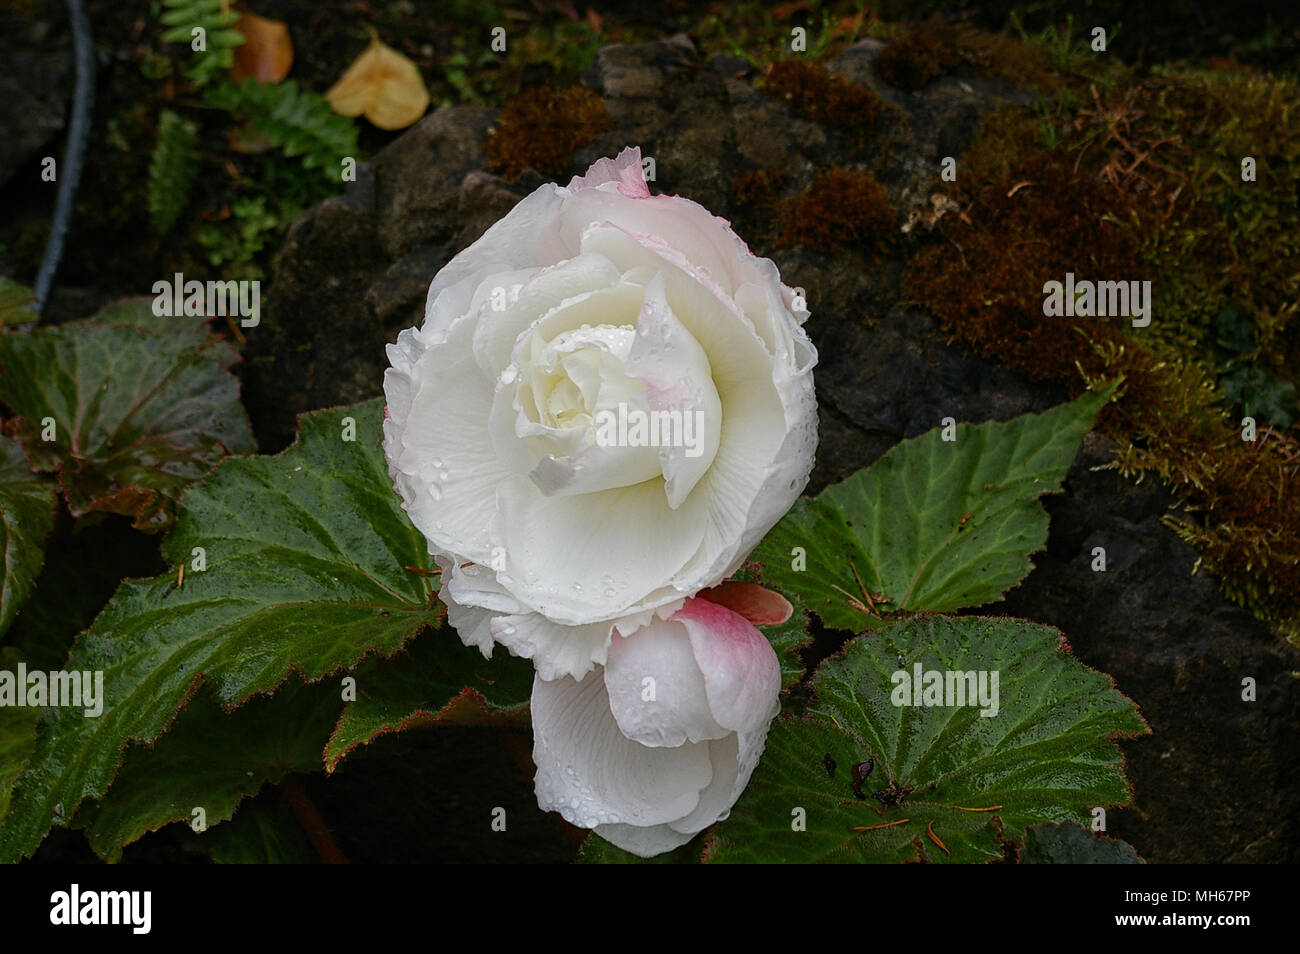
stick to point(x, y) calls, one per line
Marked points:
point(266, 54)
point(383, 85)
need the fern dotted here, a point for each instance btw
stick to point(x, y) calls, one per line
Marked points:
point(298, 122)
point(171, 170)
point(215, 18)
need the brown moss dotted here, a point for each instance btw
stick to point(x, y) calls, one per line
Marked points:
point(927, 51)
point(817, 95)
point(841, 208)
point(542, 128)
point(757, 186)
point(1029, 217)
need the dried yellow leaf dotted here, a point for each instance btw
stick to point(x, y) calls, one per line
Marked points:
point(383, 85)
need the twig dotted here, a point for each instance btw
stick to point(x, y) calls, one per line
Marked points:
point(312, 823)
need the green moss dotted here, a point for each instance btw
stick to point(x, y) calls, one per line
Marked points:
point(1144, 184)
point(542, 128)
point(841, 208)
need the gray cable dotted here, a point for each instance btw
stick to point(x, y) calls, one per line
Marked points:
point(78, 132)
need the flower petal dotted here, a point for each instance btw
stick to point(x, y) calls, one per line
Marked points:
point(679, 381)
point(526, 237)
point(656, 689)
point(595, 556)
point(624, 171)
point(758, 604)
point(556, 650)
point(592, 774)
point(438, 458)
point(742, 676)
point(644, 842)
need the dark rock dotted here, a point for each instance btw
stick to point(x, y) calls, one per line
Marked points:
point(35, 85)
point(1215, 782)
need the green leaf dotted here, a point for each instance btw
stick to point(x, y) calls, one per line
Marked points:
point(216, 17)
point(933, 524)
point(212, 760)
point(1071, 844)
point(171, 170)
point(597, 851)
point(17, 739)
point(1047, 755)
point(139, 408)
point(17, 303)
point(305, 556)
point(264, 831)
point(436, 679)
point(300, 123)
point(26, 518)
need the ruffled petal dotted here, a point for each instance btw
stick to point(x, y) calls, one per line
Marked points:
point(556, 650)
point(644, 842)
point(440, 462)
point(592, 774)
point(656, 689)
point(742, 675)
point(595, 556)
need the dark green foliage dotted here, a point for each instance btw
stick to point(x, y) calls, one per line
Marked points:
point(298, 122)
point(216, 19)
point(171, 170)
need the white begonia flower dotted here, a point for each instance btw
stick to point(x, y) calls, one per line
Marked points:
point(658, 744)
point(511, 427)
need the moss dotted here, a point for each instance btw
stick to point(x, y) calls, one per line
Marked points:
point(841, 208)
point(927, 51)
point(817, 95)
point(1145, 185)
point(757, 186)
point(542, 128)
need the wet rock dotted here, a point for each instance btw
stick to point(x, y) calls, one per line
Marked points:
point(1215, 780)
point(35, 85)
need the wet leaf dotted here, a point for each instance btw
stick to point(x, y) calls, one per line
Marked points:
point(304, 558)
point(127, 408)
point(437, 679)
point(942, 773)
point(26, 517)
point(932, 525)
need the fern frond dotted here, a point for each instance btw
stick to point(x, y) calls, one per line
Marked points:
point(171, 170)
point(298, 122)
point(216, 19)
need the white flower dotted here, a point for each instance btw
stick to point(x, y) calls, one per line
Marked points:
point(658, 744)
point(585, 306)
